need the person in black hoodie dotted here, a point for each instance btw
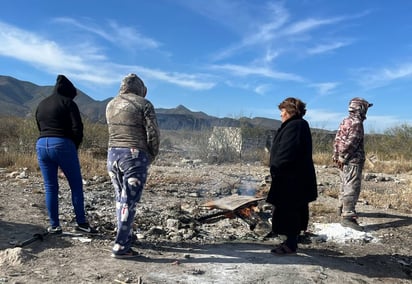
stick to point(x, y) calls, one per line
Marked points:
point(61, 133)
point(293, 175)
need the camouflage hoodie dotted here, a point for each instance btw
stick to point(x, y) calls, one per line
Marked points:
point(348, 145)
point(132, 119)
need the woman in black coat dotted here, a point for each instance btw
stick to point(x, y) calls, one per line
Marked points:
point(293, 175)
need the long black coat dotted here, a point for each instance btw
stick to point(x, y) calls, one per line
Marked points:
point(291, 165)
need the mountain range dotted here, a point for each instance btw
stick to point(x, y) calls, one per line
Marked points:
point(20, 99)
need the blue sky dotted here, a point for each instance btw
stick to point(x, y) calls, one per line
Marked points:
point(225, 58)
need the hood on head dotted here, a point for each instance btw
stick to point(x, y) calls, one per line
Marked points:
point(64, 87)
point(360, 106)
point(133, 84)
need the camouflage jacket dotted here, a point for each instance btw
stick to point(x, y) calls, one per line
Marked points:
point(132, 123)
point(348, 146)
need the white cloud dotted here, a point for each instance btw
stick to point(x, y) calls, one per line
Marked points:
point(325, 88)
point(86, 64)
point(120, 35)
point(270, 55)
point(268, 31)
point(192, 81)
point(373, 78)
point(327, 47)
point(309, 24)
point(324, 119)
point(262, 89)
point(39, 52)
point(240, 70)
point(380, 123)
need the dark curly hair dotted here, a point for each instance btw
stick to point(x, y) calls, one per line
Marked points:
point(294, 106)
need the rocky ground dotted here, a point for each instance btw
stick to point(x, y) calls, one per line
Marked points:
point(178, 245)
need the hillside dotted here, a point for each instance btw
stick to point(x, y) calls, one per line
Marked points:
point(20, 98)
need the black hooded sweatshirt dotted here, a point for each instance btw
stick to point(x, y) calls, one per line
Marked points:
point(58, 115)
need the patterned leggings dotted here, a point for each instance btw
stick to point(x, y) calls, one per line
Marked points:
point(127, 169)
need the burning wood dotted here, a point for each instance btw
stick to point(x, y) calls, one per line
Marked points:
point(241, 206)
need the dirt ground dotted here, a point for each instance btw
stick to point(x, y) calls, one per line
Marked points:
point(176, 248)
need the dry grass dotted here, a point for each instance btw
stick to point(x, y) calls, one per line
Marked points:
point(373, 163)
point(320, 209)
point(387, 154)
point(92, 165)
point(395, 166)
point(158, 175)
point(322, 158)
point(390, 197)
point(17, 161)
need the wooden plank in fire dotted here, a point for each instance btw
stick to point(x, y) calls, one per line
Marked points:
point(232, 202)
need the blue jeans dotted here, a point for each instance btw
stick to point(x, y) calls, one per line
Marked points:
point(127, 169)
point(52, 153)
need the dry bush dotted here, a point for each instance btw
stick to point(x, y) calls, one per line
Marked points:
point(15, 161)
point(394, 145)
point(95, 137)
point(393, 166)
point(400, 199)
point(320, 209)
point(18, 137)
point(332, 192)
point(323, 158)
point(91, 165)
point(169, 177)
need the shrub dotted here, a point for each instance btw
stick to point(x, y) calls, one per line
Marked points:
point(392, 149)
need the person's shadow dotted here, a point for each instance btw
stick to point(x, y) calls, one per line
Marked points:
point(15, 234)
point(394, 222)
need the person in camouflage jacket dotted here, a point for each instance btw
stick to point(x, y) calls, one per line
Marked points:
point(349, 157)
point(133, 146)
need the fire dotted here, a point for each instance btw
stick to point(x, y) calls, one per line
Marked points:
point(248, 211)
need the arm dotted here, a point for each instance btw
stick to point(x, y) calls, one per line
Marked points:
point(152, 130)
point(76, 124)
point(347, 141)
point(286, 151)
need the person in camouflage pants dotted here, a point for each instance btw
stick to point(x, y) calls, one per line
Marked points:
point(349, 156)
point(133, 146)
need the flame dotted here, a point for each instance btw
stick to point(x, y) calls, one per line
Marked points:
point(248, 211)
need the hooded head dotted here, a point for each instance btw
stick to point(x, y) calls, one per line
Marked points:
point(133, 84)
point(359, 106)
point(64, 87)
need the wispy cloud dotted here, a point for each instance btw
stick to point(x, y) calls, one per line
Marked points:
point(277, 30)
point(260, 30)
point(372, 78)
point(193, 81)
point(327, 47)
point(325, 88)
point(87, 64)
point(240, 70)
point(307, 25)
point(325, 119)
point(120, 35)
point(41, 52)
point(262, 89)
point(381, 123)
point(267, 31)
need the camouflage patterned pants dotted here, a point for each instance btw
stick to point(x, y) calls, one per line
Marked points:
point(351, 177)
point(128, 172)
